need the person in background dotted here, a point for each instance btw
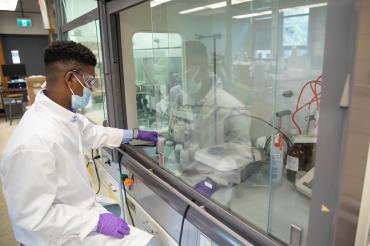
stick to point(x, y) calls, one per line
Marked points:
point(218, 113)
point(219, 119)
point(45, 182)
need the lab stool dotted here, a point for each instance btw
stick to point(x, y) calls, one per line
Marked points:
point(13, 105)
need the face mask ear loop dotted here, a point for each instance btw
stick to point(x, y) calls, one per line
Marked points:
point(79, 81)
point(70, 89)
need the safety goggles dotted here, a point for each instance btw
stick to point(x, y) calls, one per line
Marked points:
point(88, 79)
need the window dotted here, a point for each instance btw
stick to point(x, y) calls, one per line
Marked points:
point(89, 35)
point(15, 57)
point(295, 31)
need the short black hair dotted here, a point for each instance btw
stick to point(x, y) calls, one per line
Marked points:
point(68, 51)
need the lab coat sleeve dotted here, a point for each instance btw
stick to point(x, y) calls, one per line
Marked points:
point(96, 136)
point(237, 128)
point(30, 186)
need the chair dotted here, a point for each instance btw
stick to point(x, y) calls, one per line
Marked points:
point(13, 103)
point(34, 85)
point(2, 99)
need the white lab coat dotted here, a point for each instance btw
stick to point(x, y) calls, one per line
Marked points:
point(220, 118)
point(45, 182)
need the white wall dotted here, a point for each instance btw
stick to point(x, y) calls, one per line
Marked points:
point(8, 24)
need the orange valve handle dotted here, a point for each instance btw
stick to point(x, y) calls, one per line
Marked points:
point(128, 182)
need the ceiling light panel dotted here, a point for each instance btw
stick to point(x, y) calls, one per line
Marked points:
point(9, 5)
point(209, 6)
point(192, 10)
point(233, 2)
point(216, 5)
point(305, 6)
point(158, 2)
point(253, 14)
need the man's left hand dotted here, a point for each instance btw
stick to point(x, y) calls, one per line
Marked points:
point(147, 136)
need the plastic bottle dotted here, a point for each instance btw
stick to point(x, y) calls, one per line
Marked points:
point(168, 148)
point(160, 145)
point(277, 158)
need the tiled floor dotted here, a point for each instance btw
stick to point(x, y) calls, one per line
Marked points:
point(6, 233)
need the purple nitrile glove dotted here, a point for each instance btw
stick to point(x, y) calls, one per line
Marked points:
point(206, 187)
point(147, 136)
point(113, 226)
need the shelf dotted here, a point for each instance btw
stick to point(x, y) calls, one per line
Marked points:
point(305, 139)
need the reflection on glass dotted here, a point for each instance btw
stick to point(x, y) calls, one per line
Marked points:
point(157, 58)
point(295, 30)
point(89, 35)
point(234, 87)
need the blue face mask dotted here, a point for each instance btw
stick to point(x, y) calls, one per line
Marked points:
point(194, 86)
point(80, 102)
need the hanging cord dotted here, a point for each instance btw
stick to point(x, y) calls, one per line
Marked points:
point(314, 84)
point(20, 2)
point(243, 111)
point(96, 169)
point(125, 192)
point(183, 222)
point(285, 136)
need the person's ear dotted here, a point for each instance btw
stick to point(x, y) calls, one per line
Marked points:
point(68, 79)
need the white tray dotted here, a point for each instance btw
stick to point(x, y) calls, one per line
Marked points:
point(234, 156)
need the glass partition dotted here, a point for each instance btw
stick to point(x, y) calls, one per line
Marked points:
point(76, 8)
point(89, 35)
point(300, 43)
point(234, 88)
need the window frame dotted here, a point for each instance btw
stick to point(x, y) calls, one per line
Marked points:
point(321, 228)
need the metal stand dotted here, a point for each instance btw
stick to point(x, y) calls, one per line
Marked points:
point(214, 38)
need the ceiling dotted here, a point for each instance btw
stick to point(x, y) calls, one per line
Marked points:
point(28, 6)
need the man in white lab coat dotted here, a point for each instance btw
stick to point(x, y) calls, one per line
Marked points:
point(45, 182)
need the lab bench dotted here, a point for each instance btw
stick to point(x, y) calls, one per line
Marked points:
point(218, 223)
point(249, 200)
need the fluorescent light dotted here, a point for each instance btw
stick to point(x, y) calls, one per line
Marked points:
point(15, 57)
point(305, 6)
point(209, 6)
point(252, 15)
point(216, 5)
point(192, 10)
point(233, 2)
point(9, 5)
point(158, 2)
point(280, 10)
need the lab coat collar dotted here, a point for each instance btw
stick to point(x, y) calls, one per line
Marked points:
point(54, 108)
